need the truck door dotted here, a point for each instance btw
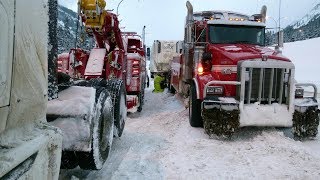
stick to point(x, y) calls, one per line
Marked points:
point(6, 50)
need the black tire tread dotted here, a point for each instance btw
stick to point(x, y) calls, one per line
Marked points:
point(116, 87)
point(86, 159)
point(195, 118)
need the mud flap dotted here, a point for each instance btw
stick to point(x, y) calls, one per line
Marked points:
point(220, 117)
point(306, 119)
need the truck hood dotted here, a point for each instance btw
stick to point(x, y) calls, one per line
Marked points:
point(238, 52)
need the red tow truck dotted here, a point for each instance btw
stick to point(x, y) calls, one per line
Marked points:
point(131, 59)
point(96, 87)
point(136, 71)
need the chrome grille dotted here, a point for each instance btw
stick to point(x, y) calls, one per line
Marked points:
point(266, 82)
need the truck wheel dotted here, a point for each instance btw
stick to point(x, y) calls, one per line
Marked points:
point(305, 124)
point(68, 160)
point(195, 118)
point(141, 99)
point(118, 93)
point(102, 133)
point(171, 89)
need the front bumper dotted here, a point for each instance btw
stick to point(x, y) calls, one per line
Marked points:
point(267, 100)
point(265, 93)
point(251, 114)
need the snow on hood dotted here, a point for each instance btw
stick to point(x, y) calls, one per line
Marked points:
point(237, 52)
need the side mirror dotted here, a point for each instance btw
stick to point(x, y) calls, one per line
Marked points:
point(206, 56)
point(148, 52)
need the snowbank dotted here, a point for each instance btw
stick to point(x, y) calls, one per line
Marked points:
point(305, 56)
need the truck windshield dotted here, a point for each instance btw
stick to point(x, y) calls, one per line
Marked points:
point(231, 34)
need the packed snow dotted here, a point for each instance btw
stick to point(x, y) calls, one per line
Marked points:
point(159, 143)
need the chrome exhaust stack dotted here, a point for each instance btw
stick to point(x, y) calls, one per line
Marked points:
point(189, 22)
point(263, 13)
point(188, 44)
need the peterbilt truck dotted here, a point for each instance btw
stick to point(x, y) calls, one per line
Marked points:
point(233, 80)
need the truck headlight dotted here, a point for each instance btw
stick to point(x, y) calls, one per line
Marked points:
point(299, 92)
point(216, 90)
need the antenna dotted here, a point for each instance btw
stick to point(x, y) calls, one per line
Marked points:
point(118, 7)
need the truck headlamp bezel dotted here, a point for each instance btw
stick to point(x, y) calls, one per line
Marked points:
point(299, 92)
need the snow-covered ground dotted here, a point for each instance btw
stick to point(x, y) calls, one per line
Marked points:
point(159, 143)
point(305, 56)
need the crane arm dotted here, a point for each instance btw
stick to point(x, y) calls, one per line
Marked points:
point(102, 24)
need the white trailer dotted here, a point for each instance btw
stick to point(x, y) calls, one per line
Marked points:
point(29, 147)
point(162, 53)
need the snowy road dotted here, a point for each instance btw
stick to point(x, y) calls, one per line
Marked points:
point(159, 143)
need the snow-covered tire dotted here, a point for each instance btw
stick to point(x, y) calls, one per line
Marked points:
point(68, 160)
point(221, 122)
point(195, 118)
point(102, 132)
point(118, 93)
point(305, 124)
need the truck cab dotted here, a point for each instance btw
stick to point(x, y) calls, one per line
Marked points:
point(223, 40)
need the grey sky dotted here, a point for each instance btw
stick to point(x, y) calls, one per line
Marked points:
point(164, 19)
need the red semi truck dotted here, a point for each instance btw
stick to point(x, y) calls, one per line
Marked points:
point(233, 80)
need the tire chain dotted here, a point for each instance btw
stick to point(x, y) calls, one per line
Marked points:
point(221, 122)
point(113, 85)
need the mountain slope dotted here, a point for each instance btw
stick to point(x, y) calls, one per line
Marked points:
point(311, 16)
point(306, 28)
point(67, 31)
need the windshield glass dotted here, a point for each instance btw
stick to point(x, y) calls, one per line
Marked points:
point(230, 34)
